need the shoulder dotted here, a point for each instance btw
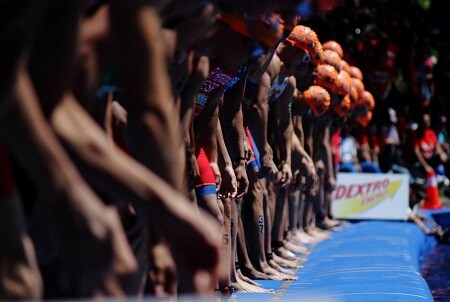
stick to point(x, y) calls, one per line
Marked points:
point(292, 82)
point(265, 80)
point(274, 67)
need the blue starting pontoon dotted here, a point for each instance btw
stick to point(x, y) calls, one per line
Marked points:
point(367, 261)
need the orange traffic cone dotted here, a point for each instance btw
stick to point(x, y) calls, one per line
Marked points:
point(432, 199)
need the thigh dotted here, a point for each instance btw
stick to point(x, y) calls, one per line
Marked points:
point(206, 177)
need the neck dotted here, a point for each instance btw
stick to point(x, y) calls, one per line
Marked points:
point(284, 72)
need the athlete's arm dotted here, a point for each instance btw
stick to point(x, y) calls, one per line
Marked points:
point(258, 125)
point(233, 130)
point(285, 130)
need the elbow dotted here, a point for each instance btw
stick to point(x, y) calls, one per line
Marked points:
point(261, 106)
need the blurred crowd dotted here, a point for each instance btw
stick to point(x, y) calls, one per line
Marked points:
point(164, 148)
point(402, 49)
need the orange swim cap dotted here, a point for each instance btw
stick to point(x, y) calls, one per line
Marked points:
point(354, 95)
point(366, 99)
point(343, 65)
point(265, 28)
point(326, 77)
point(305, 38)
point(364, 120)
point(331, 57)
point(355, 72)
point(357, 87)
point(358, 84)
point(317, 98)
point(335, 46)
point(344, 106)
point(343, 83)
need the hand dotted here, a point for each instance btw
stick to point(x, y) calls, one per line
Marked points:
point(272, 176)
point(119, 113)
point(87, 241)
point(285, 174)
point(296, 179)
point(20, 278)
point(429, 169)
point(163, 273)
point(248, 153)
point(242, 180)
point(217, 174)
point(268, 168)
point(193, 171)
point(229, 183)
point(330, 183)
point(312, 179)
point(182, 227)
point(319, 166)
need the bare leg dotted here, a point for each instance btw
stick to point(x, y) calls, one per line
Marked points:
point(245, 264)
point(294, 209)
point(300, 235)
point(238, 281)
point(243, 282)
point(162, 207)
point(225, 283)
point(274, 271)
point(29, 138)
point(213, 205)
point(317, 212)
point(253, 219)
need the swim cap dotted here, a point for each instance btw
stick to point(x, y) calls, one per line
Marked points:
point(356, 88)
point(344, 106)
point(265, 28)
point(364, 120)
point(366, 99)
point(335, 46)
point(354, 95)
point(355, 72)
point(343, 82)
point(358, 84)
point(331, 57)
point(343, 65)
point(326, 76)
point(317, 98)
point(305, 38)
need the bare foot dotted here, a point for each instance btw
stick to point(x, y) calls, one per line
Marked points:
point(326, 225)
point(245, 278)
point(304, 238)
point(297, 249)
point(335, 222)
point(237, 286)
point(243, 286)
point(254, 274)
point(295, 240)
point(276, 275)
point(279, 268)
point(319, 234)
point(283, 252)
point(295, 264)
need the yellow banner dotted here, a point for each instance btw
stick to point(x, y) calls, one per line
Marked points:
point(352, 206)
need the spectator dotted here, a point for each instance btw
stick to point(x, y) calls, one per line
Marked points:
point(348, 152)
point(428, 149)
